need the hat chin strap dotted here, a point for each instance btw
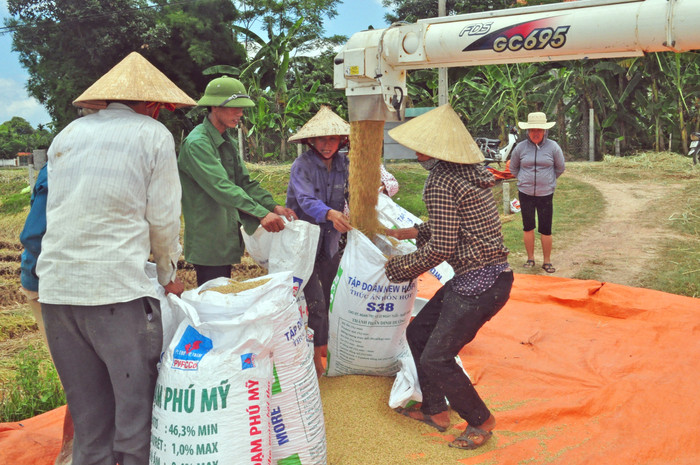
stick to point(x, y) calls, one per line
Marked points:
point(158, 106)
point(234, 97)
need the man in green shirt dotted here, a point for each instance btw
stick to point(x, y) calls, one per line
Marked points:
point(218, 195)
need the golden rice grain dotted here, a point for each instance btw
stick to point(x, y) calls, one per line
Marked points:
point(366, 139)
point(361, 428)
point(234, 287)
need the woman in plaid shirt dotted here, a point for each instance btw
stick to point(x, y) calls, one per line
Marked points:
point(464, 229)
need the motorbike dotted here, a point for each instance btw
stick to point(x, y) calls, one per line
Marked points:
point(694, 151)
point(491, 149)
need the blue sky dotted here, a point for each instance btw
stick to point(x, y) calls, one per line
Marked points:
point(353, 16)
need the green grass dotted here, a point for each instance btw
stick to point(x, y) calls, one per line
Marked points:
point(14, 203)
point(411, 177)
point(679, 272)
point(35, 388)
point(15, 323)
point(12, 199)
point(274, 178)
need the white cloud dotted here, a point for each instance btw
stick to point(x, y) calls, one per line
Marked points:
point(16, 102)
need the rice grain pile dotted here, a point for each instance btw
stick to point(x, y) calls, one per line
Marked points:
point(234, 287)
point(366, 138)
point(361, 428)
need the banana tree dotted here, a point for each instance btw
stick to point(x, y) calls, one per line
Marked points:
point(268, 70)
point(500, 95)
point(679, 77)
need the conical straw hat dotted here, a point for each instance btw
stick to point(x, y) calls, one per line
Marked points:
point(324, 123)
point(133, 79)
point(440, 134)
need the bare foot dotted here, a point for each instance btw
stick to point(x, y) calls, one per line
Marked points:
point(318, 360)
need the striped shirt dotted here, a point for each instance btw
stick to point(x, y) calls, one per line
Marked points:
point(463, 229)
point(114, 198)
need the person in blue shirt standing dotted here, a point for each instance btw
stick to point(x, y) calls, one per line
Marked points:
point(316, 193)
point(30, 237)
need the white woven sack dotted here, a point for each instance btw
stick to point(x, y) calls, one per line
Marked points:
point(292, 249)
point(368, 313)
point(406, 389)
point(212, 397)
point(298, 430)
point(393, 215)
point(170, 319)
point(296, 415)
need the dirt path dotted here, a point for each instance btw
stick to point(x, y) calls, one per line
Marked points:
point(622, 245)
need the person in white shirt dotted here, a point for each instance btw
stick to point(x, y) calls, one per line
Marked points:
point(114, 200)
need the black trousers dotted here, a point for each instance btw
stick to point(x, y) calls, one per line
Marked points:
point(543, 206)
point(207, 273)
point(317, 293)
point(447, 323)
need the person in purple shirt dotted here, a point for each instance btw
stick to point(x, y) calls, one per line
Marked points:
point(316, 193)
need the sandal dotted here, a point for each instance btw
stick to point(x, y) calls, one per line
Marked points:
point(470, 437)
point(426, 418)
point(529, 264)
point(548, 268)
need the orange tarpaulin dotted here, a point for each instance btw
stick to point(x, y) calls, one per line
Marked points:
point(505, 174)
point(34, 441)
point(576, 372)
point(584, 372)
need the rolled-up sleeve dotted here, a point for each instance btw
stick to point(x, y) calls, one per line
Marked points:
point(200, 160)
point(163, 212)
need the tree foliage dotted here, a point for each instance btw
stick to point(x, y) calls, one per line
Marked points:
point(66, 45)
point(277, 17)
point(17, 135)
point(278, 73)
point(413, 10)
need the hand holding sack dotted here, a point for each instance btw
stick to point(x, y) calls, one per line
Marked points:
point(368, 313)
point(393, 215)
point(255, 341)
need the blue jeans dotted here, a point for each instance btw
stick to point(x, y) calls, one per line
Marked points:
point(447, 323)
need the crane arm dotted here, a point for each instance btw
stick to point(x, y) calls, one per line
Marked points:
point(372, 65)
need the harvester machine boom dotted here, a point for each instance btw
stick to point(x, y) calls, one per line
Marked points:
point(373, 64)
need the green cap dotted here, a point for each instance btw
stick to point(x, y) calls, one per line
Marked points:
point(225, 92)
